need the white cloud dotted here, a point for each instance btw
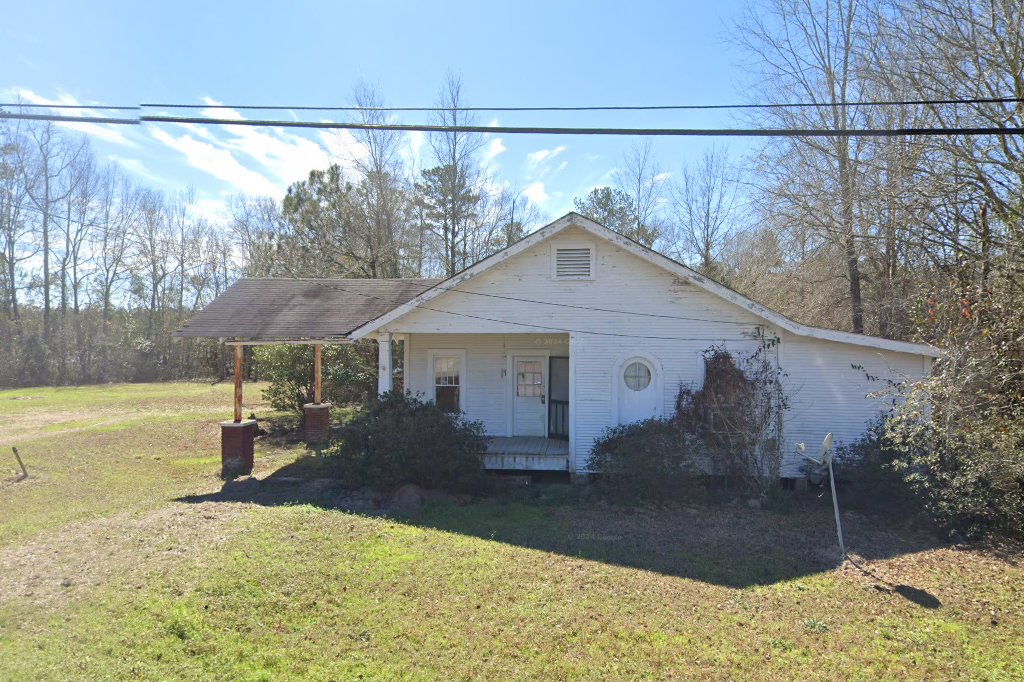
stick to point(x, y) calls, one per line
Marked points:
point(219, 163)
point(213, 210)
point(662, 177)
point(535, 193)
point(493, 124)
point(136, 167)
point(542, 155)
point(342, 148)
point(416, 141)
point(107, 132)
point(494, 149)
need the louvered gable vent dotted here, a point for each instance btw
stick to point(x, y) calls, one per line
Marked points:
point(573, 263)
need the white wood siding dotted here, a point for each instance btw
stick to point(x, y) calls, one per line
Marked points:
point(827, 394)
point(647, 312)
point(486, 384)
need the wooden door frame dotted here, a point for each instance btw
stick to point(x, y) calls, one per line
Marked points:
point(568, 403)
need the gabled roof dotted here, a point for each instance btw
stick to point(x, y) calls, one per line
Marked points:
point(655, 258)
point(295, 310)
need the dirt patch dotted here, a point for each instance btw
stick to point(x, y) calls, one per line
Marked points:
point(126, 550)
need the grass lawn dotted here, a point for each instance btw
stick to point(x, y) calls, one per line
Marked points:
point(124, 556)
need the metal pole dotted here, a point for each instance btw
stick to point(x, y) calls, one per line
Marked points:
point(835, 506)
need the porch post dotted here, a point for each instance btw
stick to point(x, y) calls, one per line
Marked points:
point(238, 382)
point(384, 369)
point(317, 364)
point(316, 416)
point(236, 436)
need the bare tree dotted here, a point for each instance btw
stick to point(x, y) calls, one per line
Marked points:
point(640, 179)
point(384, 194)
point(257, 228)
point(15, 228)
point(806, 50)
point(451, 191)
point(52, 157)
point(706, 203)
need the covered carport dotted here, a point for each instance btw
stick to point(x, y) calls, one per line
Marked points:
point(265, 311)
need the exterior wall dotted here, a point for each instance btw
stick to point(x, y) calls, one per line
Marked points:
point(487, 386)
point(684, 319)
point(647, 312)
point(827, 394)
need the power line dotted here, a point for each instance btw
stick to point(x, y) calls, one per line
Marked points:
point(69, 119)
point(97, 107)
point(529, 325)
point(650, 107)
point(540, 130)
point(584, 307)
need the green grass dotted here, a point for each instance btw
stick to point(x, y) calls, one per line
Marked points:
point(96, 451)
point(175, 579)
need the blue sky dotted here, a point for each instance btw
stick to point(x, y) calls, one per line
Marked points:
point(507, 53)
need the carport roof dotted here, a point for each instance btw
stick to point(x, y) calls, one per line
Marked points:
point(295, 310)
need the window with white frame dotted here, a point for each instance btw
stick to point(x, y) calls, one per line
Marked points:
point(637, 376)
point(448, 382)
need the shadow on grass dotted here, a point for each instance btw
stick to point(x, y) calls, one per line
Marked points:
point(728, 545)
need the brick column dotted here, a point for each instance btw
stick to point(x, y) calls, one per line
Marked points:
point(236, 447)
point(317, 422)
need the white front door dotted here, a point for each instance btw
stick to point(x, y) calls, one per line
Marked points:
point(638, 395)
point(529, 395)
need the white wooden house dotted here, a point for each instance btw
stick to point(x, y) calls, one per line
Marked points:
point(577, 328)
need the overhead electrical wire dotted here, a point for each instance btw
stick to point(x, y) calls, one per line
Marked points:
point(530, 325)
point(539, 130)
point(642, 107)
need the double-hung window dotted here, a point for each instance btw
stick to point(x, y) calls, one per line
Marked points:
point(448, 370)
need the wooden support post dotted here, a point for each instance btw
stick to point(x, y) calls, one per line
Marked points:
point(238, 383)
point(384, 369)
point(317, 365)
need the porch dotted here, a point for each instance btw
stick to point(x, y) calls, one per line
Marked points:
point(527, 453)
point(515, 385)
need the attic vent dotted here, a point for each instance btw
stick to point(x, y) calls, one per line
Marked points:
point(574, 263)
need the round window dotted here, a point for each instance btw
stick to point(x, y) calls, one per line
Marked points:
point(637, 376)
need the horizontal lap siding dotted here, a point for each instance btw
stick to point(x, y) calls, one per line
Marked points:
point(598, 361)
point(835, 400)
point(622, 282)
point(826, 393)
point(487, 391)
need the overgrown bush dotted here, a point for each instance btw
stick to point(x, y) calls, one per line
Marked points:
point(960, 432)
point(969, 473)
point(398, 438)
point(349, 374)
point(737, 414)
point(645, 460)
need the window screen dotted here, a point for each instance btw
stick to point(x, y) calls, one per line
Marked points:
point(529, 379)
point(447, 383)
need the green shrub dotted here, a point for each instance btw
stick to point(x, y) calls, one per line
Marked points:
point(869, 466)
point(398, 439)
point(649, 459)
point(349, 374)
point(968, 470)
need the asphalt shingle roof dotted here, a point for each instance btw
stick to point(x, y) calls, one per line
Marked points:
point(261, 309)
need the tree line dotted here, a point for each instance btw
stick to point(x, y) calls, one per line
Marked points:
point(873, 235)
